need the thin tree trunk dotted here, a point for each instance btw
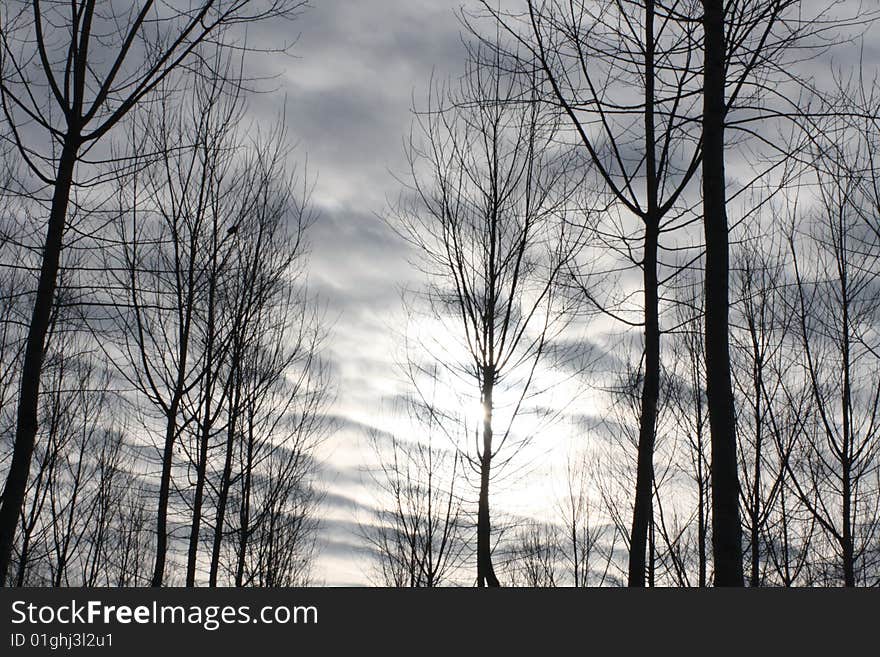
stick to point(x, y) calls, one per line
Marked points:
point(22, 562)
point(849, 572)
point(63, 550)
point(201, 469)
point(786, 551)
point(226, 478)
point(26, 423)
point(726, 529)
point(164, 491)
point(642, 507)
point(755, 511)
point(205, 429)
point(485, 572)
point(244, 512)
point(849, 578)
point(701, 521)
point(170, 437)
point(652, 554)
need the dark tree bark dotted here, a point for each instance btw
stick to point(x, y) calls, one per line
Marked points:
point(726, 528)
point(226, 475)
point(485, 572)
point(642, 507)
point(28, 399)
point(209, 377)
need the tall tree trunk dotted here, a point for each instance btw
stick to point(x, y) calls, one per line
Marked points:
point(849, 577)
point(849, 571)
point(245, 510)
point(642, 507)
point(170, 437)
point(726, 528)
point(198, 499)
point(226, 477)
point(63, 543)
point(207, 423)
point(755, 510)
point(26, 423)
point(23, 559)
point(485, 572)
point(786, 551)
point(164, 492)
point(701, 519)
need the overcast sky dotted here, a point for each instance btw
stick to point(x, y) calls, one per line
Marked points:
point(358, 69)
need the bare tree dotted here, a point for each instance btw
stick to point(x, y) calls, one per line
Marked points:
point(688, 405)
point(131, 540)
point(275, 493)
point(273, 328)
point(835, 263)
point(751, 52)
point(164, 241)
point(94, 62)
point(584, 547)
point(487, 227)
point(761, 339)
point(418, 532)
point(218, 323)
point(13, 278)
point(630, 76)
point(625, 76)
point(534, 561)
point(72, 491)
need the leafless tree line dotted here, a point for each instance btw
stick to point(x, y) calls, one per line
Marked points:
point(668, 167)
point(162, 387)
point(739, 443)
